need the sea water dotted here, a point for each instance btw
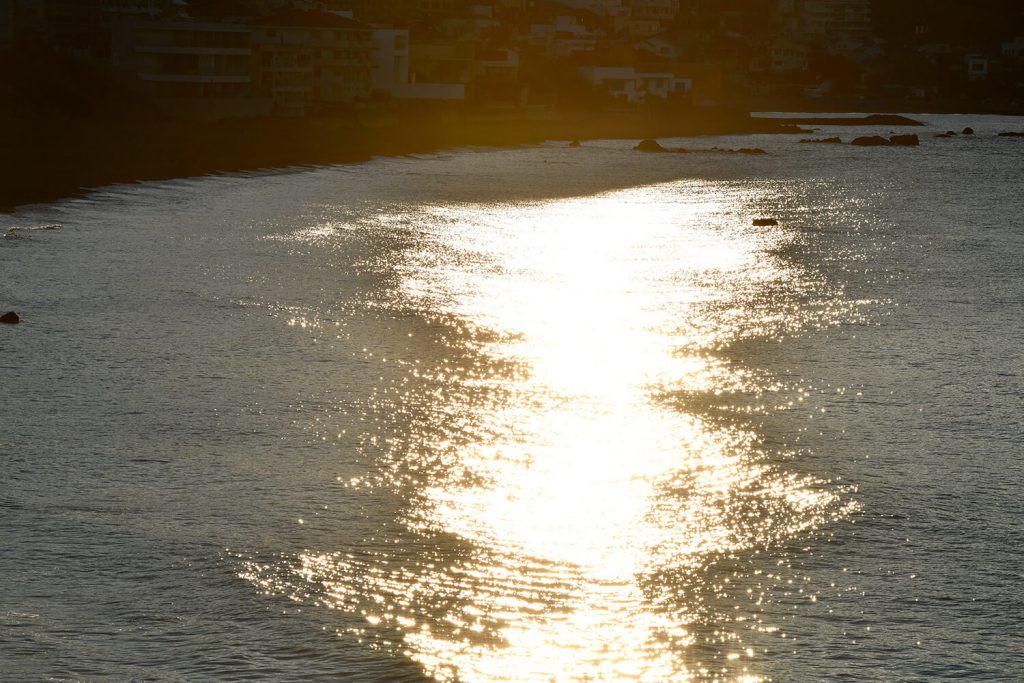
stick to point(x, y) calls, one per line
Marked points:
point(534, 414)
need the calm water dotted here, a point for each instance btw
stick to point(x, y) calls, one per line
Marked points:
point(542, 414)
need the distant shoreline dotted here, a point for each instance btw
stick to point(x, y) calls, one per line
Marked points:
point(50, 159)
point(832, 120)
point(46, 160)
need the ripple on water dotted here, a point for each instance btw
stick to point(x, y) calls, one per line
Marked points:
point(567, 517)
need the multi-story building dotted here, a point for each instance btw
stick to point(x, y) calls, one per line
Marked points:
point(563, 36)
point(628, 84)
point(638, 18)
point(436, 58)
point(607, 8)
point(442, 7)
point(637, 28)
point(1013, 48)
point(663, 11)
point(841, 26)
point(190, 68)
point(391, 58)
point(309, 60)
point(786, 56)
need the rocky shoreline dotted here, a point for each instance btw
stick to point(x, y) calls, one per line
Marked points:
point(46, 160)
point(49, 159)
point(869, 120)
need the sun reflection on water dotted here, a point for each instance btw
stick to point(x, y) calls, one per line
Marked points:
point(578, 489)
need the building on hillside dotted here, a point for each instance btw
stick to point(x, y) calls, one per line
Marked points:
point(440, 59)
point(477, 21)
point(444, 8)
point(842, 27)
point(638, 29)
point(400, 76)
point(786, 56)
point(606, 8)
point(142, 8)
point(661, 45)
point(631, 85)
point(1013, 48)
point(440, 68)
point(663, 11)
point(312, 60)
point(684, 45)
point(190, 68)
point(390, 58)
point(977, 67)
point(563, 36)
point(496, 76)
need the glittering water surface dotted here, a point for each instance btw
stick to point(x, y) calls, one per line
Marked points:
point(543, 414)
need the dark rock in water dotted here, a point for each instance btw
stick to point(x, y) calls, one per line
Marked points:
point(649, 145)
point(944, 135)
point(765, 222)
point(574, 143)
point(870, 120)
point(10, 318)
point(968, 131)
point(751, 150)
point(904, 140)
point(871, 141)
point(823, 141)
point(951, 133)
point(1011, 134)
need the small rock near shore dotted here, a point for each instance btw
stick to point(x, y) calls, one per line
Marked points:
point(650, 145)
point(871, 141)
point(968, 131)
point(1012, 134)
point(10, 318)
point(823, 141)
point(764, 222)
